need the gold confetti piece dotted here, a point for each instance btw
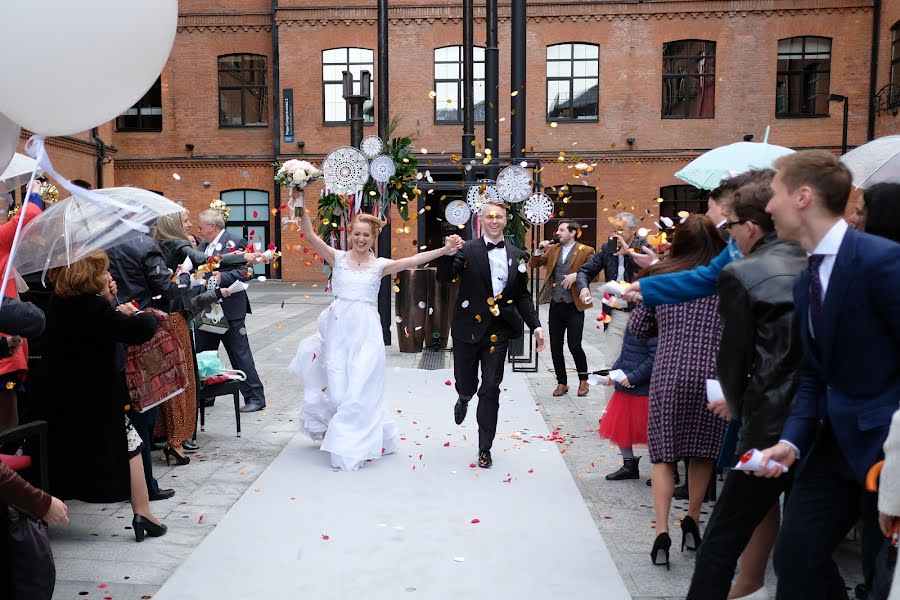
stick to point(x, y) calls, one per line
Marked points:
point(492, 349)
point(424, 151)
point(660, 200)
point(554, 125)
point(683, 214)
point(432, 94)
point(491, 301)
point(494, 338)
point(396, 289)
point(478, 318)
point(514, 93)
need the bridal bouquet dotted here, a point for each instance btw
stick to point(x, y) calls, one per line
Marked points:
point(296, 174)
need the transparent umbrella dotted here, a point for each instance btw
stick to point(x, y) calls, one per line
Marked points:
point(875, 162)
point(18, 173)
point(709, 169)
point(84, 223)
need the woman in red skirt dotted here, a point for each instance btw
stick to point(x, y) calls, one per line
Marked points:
point(625, 421)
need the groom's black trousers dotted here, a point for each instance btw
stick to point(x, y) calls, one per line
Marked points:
point(490, 354)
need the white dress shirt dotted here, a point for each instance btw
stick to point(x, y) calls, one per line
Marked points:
point(211, 247)
point(499, 268)
point(566, 250)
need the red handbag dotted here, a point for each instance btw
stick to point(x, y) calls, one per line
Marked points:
point(156, 370)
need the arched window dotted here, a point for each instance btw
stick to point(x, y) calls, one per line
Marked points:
point(334, 63)
point(243, 100)
point(249, 218)
point(895, 65)
point(574, 202)
point(146, 114)
point(804, 77)
point(689, 79)
point(573, 82)
point(448, 84)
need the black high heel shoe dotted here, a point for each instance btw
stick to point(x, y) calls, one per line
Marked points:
point(662, 544)
point(170, 454)
point(690, 534)
point(143, 526)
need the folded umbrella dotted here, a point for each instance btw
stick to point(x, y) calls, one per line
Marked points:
point(875, 162)
point(86, 223)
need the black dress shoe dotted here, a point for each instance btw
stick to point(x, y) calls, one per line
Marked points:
point(162, 494)
point(252, 407)
point(484, 459)
point(459, 411)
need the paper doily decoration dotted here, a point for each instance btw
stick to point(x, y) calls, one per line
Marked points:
point(382, 168)
point(457, 213)
point(345, 170)
point(371, 146)
point(481, 193)
point(538, 208)
point(514, 184)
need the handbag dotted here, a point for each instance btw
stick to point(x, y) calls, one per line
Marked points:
point(156, 370)
point(31, 571)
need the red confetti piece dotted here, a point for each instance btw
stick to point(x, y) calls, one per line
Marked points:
point(593, 465)
point(531, 470)
point(420, 457)
point(472, 465)
point(200, 520)
point(446, 444)
point(255, 214)
point(448, 382)
point(325, 537)
point(102, 586)
point(476, 520)
point(314, 356)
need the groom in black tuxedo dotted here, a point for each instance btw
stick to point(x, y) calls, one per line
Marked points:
point(492, 303)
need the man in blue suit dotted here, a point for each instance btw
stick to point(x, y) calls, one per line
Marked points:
point(237, 345)
point(847, 316)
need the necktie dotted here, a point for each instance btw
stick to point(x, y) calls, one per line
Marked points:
point(491, 245)
point(815, 291)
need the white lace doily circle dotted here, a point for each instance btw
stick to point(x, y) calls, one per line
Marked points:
point(371, 146)
point(481, 193)
point(514, 184)
point(382, 168)
point(457, 213)
point(538, 208)
point(345, 170)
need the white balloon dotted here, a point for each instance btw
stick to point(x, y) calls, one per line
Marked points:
point(9, 141)
point(69, 66)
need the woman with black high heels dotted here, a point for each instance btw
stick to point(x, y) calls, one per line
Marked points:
point(87, 392)
point(679, 424)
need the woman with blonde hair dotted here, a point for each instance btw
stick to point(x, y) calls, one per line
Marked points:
point(83, 331)
point(343, 365)
point(179, 413)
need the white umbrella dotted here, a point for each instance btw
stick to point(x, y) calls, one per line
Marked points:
point(875, 162)
point(18, 173)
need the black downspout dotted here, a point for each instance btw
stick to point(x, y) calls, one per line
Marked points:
point(468, 136)
point(276, 130)
point(517, 80)
point(384, 118)
point(873, 67)
point(101, 155)
point(492, 86)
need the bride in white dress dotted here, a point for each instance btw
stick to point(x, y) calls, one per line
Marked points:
point(342, 366)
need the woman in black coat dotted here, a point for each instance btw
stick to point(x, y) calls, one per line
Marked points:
point(94, 452)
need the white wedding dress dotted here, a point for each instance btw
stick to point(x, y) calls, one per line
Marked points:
point(342, 368)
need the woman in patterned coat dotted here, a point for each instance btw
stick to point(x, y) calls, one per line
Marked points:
point(680, 425)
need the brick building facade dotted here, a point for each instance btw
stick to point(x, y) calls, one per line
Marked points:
point(731, 68)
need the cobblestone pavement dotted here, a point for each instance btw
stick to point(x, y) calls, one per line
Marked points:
point(97, 548)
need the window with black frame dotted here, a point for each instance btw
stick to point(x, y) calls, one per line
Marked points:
point(574, 202)
point(334, 62)
point(689, 80)
point(894, 98)
point(249, 219)
point(573, 82)
point(677, 198)
point(243, 100)
point(804, 77)
point(448, 84)
point(146, 114)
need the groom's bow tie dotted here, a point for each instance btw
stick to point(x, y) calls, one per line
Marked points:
point(492, 245)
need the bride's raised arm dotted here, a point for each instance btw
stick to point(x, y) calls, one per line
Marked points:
point(451, 245)
point(319, 245)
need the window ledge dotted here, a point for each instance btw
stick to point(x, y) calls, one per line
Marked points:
point(221, 126)
point(137, 130)
point(342, 124)
point(457, 123)
point(676, 118)
point(571, 121)
point(800, 116)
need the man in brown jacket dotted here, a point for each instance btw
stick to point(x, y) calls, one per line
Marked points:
point(563, 256)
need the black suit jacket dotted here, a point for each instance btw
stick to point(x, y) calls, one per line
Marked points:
point(470, 264)
point(235, 306)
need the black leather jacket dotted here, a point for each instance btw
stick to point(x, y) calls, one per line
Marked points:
point(759, 359)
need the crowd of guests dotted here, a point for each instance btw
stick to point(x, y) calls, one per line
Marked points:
point(63, 346)
point(768, 329)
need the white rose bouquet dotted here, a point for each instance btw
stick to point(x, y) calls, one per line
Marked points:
point(296, 175)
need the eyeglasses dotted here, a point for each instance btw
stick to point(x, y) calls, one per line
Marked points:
point(727, 225)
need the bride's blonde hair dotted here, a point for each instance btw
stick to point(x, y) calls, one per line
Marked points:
point(374, 222)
